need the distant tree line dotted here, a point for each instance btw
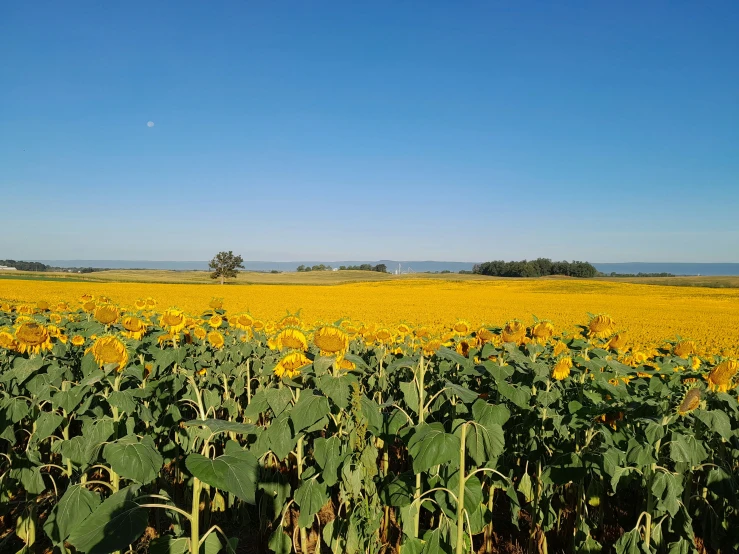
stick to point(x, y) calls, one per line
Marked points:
point(382, 268)
point(319, 267)
point(38, 266)
point(535, 268)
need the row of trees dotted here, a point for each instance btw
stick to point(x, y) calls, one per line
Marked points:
point(382, 268)
point(319, 267)
point(535, 268)
point(25, 266)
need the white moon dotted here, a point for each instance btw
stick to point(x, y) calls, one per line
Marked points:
point(150, 124)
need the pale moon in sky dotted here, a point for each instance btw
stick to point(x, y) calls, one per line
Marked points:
point(150, 124)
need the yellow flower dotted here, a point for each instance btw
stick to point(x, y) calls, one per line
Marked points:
point(542, 332)
point(134, 327)
point(151, 303)
point(293, 339)
point(331, 340)
point(257, 325)
point(684, 348)
point(62, 307)
point(461, 327)
point(346, 364)
point(403, 329)
point(289, 320)
point(463, 348)
point(166, 338)
point(430, 347)
point(514, 331)
point(78, 340)
point(25, 310)
point(42, 305)
point(216, 303)
point(384, 336)
point(140, 304)
point(173, 320)
point(695, 363)
point(199, 333)
point(215, 321)
point(485, 335)
point(616, 342)
point(110, 350)
point(32, 338)
point(560, 348)
point(601, 326)
point(242, 321)
point(55, 318)
point(722, 375)
point(422, 333)
point(291, 364)
point(562, 368)
point(86, 298)
point(7, 341)
point(215, 339)
point(106, 314)
point(89, 306)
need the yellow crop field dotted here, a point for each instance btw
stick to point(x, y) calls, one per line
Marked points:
point(647, 314)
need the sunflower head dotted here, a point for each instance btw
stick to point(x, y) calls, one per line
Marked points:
point(291, 364)
point(403, 329)
point(78, 340)
point(331, 340)
point(107, 314)
point(684, 348)
point(140, 304)
point(463, 348)
point(199, 333)
point(462, 327)
point(422, 332)
point(514, 331)
point(216, 340)
point(151, 303)
point(291, 339)
point(616, 342)
point(42, 305)
point(485, 335)
point(601, 326)
point(384, 336)
point(690, 402)
point(173, 320)
point(7, 340)
point(542, 332)
point(216, 303)
point(32, 337)
point(290, 320)
point(722, 376)
point(86, 298)
point(110, 350)
point(134, 327)
point(430, 347)
point(215, 321)
point(562, 368)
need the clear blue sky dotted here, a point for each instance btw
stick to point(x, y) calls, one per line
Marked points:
point(606, 131)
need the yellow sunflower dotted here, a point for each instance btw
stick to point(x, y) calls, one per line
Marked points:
point(684, 348)
point(89, 306)
point(242, 321)
point(542, 332)
point(173, 320)
point(32, 338)
point(7, 341)
point(216, 303)
point(722, 376)
point(78, 340)
point(110, 350)
point(514, 331)
point(690, 402)
point(106, 314)
point(331, 340)
point(601, 326)
point(42, 305)
point(134, 327)
point(430, 347)
point(215, 321)
point(384, 336)
point(291, 364)
point(294, 339)
point(140, 304)
point(562, 368)
point(461, 327)
point(216, 340)
point(616, 342)
point(290, 320)
point(199, 333)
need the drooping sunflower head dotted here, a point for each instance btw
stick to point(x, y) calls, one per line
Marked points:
point(140, 304)
point(216, 340)
point(430, 347)
point(291, 364)
point(173, 320)
point(199, 333)
point(690, 402)
point(542, 331)
point(89, 306)
point(32, 338)
point(86, 298)
point(291, 339)
point(151, 303)
point(216, 303)
point(616, 342)
point(684, 348)
point(110, 350)
point(485, 335)
point(462, 327)
point(562, 368)
point(258, 325)
point(403, 329)
point(42, 305)
point(78, 340)
point(722, 376)
point(331, 340)
point(290, 320)
point(134, 327)
point(25, 309)
point(601, 326)
point(422, 332)
point(61, 307)
point(514, 331)
point(463, 348)
point(107, 314)
point(560, 348)
point(215, 321)
point(346, 365)
point(7, 340)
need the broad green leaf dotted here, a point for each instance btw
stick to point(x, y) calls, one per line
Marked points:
point(280, 436)
point(308, 410)
point(168, 544)
point(235, 471)
point(46, 424)
point(400, 490)
point(518, 395)
point(280, 542)
point(113, 525)
point(76, 505)
point(463, 393)
point(410, 395)
point(211, 545)
point(431, 446)
point(222, 426)
point(310, 497)
point(134, 459)
point(327, 453)
point(668, 490)
point(630, 543)
point(278, 399)
point(30, 479)
point(336, 388)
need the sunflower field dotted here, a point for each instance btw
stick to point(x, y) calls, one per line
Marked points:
point(141, 428)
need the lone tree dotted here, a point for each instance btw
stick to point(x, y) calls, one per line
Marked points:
point(225, 264)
